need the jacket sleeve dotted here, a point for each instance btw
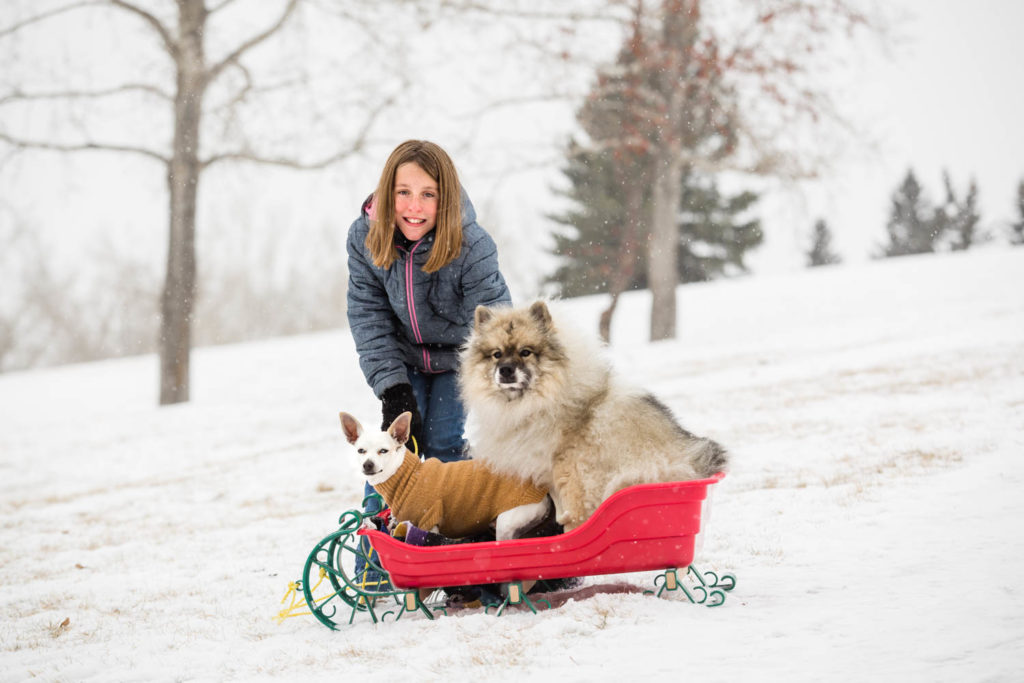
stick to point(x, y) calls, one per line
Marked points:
point(482, 282)
point(371, 320)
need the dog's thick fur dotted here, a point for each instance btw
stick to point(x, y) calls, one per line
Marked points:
point(456, 499)
point(545, 406)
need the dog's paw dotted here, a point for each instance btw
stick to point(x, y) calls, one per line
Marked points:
point(568, 521)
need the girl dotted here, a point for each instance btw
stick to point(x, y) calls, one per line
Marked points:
point(419, 265)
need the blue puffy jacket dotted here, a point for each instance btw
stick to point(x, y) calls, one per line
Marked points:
point(403, 316)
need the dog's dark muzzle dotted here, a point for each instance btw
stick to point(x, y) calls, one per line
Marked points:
point(507, 373)
point(369, 467)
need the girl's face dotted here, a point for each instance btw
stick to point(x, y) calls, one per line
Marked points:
point(415, 201)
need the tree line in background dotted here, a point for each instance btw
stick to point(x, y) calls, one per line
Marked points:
point(713, 231)
point(111, 311)
point(917, 226)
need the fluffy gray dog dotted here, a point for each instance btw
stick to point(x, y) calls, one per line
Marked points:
point(546, 406)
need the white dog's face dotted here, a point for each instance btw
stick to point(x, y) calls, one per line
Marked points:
point(378, 454)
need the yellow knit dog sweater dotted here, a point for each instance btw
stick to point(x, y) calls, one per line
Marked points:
point(460, 498)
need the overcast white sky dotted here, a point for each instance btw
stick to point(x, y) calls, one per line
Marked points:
point(951, 96)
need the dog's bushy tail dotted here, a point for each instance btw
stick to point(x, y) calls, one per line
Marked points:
point(707, 456)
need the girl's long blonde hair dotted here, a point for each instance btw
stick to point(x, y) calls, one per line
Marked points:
point(448, 230)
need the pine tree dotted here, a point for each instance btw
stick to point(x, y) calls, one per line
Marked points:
point(626, 118)
point(713, 236)
point(965, 220)
point(616, 117)
point(591, 246)
point(821, 253)
point(715, 230)
point(912, 226)
point(958, 219)
point(1017, 228)
point(944, 216)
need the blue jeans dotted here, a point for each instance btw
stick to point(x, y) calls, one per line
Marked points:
point(444, 418)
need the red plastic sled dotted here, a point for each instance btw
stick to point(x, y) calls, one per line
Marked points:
point(641, 528)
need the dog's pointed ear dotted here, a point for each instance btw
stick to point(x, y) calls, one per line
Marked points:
point(353, 430)
point(399, 429)
point(481, 315)
point(539, 311)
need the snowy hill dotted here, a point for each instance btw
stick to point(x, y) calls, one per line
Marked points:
point(872, 517)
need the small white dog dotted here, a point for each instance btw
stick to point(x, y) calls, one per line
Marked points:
point(455, 499)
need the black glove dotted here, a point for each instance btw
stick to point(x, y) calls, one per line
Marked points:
point(397, 400)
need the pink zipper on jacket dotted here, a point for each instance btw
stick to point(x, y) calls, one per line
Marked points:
point(410, 301)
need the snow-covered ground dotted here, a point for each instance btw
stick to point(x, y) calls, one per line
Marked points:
point(873, 516)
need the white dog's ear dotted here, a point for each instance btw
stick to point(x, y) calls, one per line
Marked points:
point(399, 429)
point(353, 430)
point(539, 311)
point(481, 315)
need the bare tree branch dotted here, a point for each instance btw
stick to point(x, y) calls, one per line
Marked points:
point(357, 145)
point(249, 88)
point(242, 93)
point(519, 101)
point(342, 11)
point(219, 6)
point(165, 35)
point(19, 96)
point(285, 162)
point(503, 10)
point(81, 147)
point(232, 58)
point(4, 32)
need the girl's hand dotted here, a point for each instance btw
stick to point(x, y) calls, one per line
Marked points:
point(397, 400)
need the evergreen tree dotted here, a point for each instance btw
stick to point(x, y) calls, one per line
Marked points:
point(965, 221)
point(912, 225)
point(958, 218)
point(616, 117)
point(663, 105)
point(591, 246)
point(713, 235)
point(1017, 228)
point(944, 216)
point(625, 117)
point(715, 231)
point(821, 253)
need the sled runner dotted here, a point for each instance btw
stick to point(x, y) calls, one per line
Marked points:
point(641, 528)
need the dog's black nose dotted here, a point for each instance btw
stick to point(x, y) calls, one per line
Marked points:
point(507, 373)
point(368, 467)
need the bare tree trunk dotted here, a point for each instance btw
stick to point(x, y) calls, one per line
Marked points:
point(178, 300)
point(662, 252)
point(678, 38)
